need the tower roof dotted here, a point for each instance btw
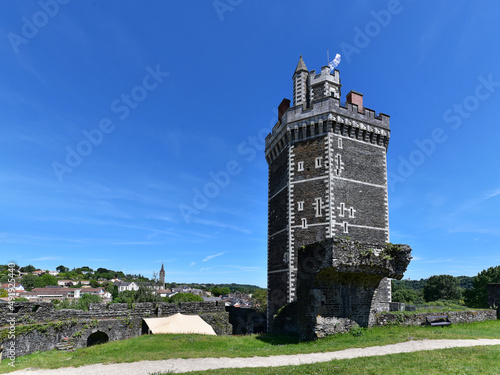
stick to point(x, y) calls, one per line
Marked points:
point(162, 269)
point(301, 66)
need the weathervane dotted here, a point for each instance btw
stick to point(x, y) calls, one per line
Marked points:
point(334, 63)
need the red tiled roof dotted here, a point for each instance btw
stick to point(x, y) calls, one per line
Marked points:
point(66, 290)
point(6, 285)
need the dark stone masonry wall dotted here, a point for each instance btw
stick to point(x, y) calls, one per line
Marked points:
point(45, 336)
point(246, 320)
point(38, 326)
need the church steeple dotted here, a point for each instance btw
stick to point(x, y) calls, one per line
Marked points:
point(162, 276)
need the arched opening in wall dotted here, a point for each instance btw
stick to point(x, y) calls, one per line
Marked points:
point(97, 338)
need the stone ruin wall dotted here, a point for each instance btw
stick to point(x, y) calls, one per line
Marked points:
point(39, 327)
point(338, 282)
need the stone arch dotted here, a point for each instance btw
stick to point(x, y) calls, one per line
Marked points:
point(97, 338)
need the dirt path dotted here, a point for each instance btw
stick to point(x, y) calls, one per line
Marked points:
point(199, 364)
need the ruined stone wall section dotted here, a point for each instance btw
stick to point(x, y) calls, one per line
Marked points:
point(39, 312)
point(420, 318)
point(44, 337)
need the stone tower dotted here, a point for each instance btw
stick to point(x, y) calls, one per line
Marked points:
point(327, 177)
point(162, 276)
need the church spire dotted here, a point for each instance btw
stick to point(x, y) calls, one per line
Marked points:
point(162, 276)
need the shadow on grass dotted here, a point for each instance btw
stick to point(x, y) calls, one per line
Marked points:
point(272, 339)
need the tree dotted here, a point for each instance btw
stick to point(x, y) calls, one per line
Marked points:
point(442, 287)
point(47, 279)
point(127, 296)
point(31, 281)
point(3, 293)
point(86, 299)
point(217, 291)
point(114, 291)
point(406, 296)
point(477, 296)
point(61, 268)
point(29, 268)
point(259, 297)
point(94, 284)
point(145, 294)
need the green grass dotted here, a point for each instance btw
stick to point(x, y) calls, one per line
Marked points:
point(484, 360)
point(156, 347)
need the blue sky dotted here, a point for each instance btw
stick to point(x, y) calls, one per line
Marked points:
point(115, 114)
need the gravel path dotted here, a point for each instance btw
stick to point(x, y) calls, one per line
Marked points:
point(198, 364)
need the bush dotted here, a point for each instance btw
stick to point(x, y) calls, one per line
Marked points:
point(86, 299)
point(442, 287)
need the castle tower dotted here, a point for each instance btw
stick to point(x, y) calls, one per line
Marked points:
point(327, 177)
point(162, 276)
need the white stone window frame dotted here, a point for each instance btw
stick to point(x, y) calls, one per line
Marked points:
point(300, 166)
point(304, 223)
point(300, 206)
point(352, 211)
point(341, 209)
point(318, 162)
point(318, 205)
point(340, 143)
point(345, 227)
point(339, 164)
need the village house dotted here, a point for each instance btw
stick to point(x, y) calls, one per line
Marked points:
point(165, 292)
point(66, 283)
point(48, 294)
point(18, 288)
point(59, 293)
point(126, 285)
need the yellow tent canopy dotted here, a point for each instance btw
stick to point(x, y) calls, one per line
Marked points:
point(179, 323)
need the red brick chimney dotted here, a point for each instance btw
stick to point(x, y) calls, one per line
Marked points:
point(284, 105)
point(356, 98)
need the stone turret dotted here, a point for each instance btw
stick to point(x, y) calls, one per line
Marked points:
point(300, 84)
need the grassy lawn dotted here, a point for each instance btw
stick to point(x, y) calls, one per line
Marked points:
point(484, 360)
point(155, 347)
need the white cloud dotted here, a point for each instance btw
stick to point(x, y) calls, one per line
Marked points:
point(46, 258)
point(212, 256)
point(493, 194)
point(192, 264)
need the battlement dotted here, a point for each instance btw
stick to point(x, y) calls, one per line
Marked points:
point(324, 75)
point(327, 114)
point(317, 110)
